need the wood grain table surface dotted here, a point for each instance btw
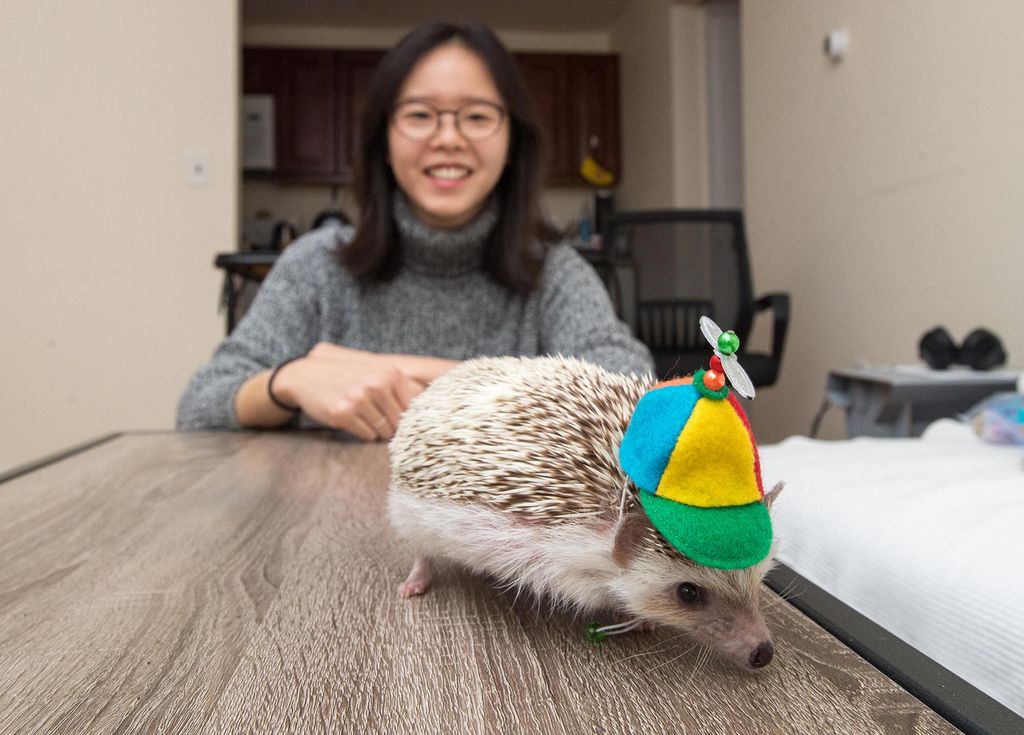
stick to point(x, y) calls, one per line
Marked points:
point(246, 583)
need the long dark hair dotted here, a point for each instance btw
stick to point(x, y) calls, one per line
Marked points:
point(513, 254)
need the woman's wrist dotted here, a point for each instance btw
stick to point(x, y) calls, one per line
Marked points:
point(279, 387)
point(253, 406)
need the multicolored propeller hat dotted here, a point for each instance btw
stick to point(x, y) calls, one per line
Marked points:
point(690, 451)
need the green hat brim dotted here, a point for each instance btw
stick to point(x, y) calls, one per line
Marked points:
point(730, 537)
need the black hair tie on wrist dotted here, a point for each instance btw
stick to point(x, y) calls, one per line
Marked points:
point(270, 387)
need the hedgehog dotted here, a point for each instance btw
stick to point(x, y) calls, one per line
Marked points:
point(511, 468)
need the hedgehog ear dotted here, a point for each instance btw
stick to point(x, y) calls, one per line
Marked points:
point(628, 533)
point(771, 495)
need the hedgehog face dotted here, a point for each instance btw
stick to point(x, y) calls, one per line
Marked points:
point(720, 608)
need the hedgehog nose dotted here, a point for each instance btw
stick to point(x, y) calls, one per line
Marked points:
point(762, 655)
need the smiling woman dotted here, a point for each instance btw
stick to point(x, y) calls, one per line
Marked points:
point(449, 261)
point(448, 141)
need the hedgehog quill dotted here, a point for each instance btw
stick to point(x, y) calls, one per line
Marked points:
point(597, 491)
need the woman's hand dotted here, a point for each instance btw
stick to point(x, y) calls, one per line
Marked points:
point(363, 393)
point(360, 392)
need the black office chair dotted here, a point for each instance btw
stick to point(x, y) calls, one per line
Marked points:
point(688, 263)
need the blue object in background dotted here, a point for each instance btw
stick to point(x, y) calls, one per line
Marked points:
point(999, 419)
point(585, 229)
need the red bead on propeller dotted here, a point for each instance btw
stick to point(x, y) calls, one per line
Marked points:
point(716, 364)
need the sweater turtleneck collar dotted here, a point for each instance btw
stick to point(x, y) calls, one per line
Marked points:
point(446, 253)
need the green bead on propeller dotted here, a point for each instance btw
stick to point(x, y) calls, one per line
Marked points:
point(594, 634)
point(728, 342)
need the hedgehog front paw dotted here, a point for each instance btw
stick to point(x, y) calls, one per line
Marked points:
point(412, 589)
point(418, 580)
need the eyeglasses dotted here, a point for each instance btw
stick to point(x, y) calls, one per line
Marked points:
point(418, 120)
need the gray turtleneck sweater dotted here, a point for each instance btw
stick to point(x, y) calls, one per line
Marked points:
point(441, 304)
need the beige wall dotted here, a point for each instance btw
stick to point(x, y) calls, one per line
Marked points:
point(107, 294)
point(884, 192)
point(663, 109)
point(688, 86)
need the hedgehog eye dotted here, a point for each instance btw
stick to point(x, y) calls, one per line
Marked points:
point(690, 594)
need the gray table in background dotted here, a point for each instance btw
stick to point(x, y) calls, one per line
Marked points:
point(901, 400)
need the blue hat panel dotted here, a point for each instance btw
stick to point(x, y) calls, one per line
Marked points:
point(657, 421)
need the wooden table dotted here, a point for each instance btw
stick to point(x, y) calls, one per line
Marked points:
point(245, 582)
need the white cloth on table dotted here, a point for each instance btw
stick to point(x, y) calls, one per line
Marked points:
point(923, 536)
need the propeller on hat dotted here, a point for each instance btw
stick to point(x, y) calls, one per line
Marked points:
point(725, 345)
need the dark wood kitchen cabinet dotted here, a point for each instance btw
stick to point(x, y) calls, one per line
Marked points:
point(576, 97)
point(547, 78)
point(303, 84)
point(594, 110)
point(356, 68)
point(319, 94)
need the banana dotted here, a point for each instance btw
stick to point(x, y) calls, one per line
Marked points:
point(595, 174)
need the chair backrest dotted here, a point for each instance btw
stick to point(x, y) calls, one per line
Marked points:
point(687, 263)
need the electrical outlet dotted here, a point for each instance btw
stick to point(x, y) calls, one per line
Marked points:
point(198, 168)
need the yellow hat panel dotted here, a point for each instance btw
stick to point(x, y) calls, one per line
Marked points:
point(712, 464)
